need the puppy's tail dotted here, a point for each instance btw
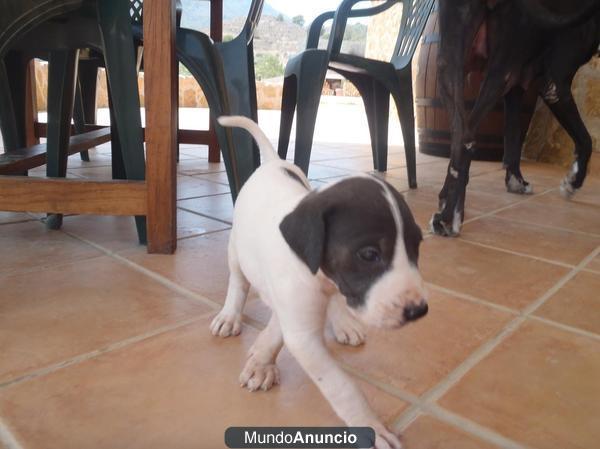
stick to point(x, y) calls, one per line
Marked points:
point(267, 152)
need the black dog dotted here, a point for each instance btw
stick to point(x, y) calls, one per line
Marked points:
point(522, 41)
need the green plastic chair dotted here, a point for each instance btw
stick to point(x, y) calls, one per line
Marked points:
point(56, 30)
point(84, 111)
point(375, 81)
point(225, 71)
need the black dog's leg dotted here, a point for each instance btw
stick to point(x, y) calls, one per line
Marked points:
point(566, 112)
point(575, 47)
point(449, 220)
point(459, 22)
point(513, 142)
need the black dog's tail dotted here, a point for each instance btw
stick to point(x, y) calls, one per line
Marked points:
point(545, 18)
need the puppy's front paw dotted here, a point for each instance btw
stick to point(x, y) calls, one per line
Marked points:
point(226, 324)
point(256, 375)
point(384, 439)
point(348, 330)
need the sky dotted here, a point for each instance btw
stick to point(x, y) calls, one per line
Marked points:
point(307, 8)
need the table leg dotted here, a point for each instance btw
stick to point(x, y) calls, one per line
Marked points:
point(161, 102)
point(216, 34)
point(30, 106)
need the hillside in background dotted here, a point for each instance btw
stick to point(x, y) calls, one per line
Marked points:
point(197, 17)
point(277, 36)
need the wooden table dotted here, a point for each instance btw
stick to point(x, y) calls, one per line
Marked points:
point(156, 196)
point(161, 102)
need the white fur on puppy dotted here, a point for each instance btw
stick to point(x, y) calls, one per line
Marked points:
point(348, 252)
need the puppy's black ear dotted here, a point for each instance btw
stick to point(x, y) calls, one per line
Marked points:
point(304, 230)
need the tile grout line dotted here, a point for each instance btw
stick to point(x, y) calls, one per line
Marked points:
point(492, 305)
point(545, 226)
point(565, 327)
point(495, 211)
point(471, 298)
point(151, 274)
point(517, 253)
point(204, 215)
point(508, 206)
point(25, 220)
point(7, 439)
point(390, 389)
point(434, 410)
point(435, 393)
point(101, 351)
point(202, 234)
point(471, 427)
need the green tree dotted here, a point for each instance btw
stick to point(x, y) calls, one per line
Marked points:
point(267, 66)
point(298, 20)
point(280, 17)
point(228, 37)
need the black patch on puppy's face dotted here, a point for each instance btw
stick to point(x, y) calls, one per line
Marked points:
point(348, 230)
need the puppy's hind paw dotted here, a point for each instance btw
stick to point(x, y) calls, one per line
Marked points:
point(256, 375)
point(226, 324)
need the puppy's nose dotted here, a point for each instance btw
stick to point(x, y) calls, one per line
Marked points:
point(413, 312)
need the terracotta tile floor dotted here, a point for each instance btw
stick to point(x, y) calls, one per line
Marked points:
point(104, 346)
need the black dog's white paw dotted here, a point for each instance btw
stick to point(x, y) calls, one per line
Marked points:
point(439, 227)
point(518, 185)
point(567, 186)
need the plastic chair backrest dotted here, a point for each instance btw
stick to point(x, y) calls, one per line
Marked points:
point(253, 18)
point(136, 11)
point(414, 17)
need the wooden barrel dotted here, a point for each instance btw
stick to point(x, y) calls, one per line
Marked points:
point(433, 127)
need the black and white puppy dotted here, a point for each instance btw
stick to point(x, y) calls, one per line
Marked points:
point(347, 252)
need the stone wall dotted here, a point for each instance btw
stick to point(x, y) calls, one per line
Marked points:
point(190, 93)
point(381, 40)
point(383, 32)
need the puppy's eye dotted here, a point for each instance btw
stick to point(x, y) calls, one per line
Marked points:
point(369, 254)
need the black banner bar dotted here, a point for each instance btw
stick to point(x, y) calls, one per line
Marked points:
point(300, 437)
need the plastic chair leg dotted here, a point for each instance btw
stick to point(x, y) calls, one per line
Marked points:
point(85, 97)
point(62, 69)
point(122, 77)
point(116, 151)
point(8, 123)
point(310, 84)
point(198, 54)
point(237, 61)
point(403, 98)
point(288, 107)
point(16, 68)
point(376, 98)
point(79, 118)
